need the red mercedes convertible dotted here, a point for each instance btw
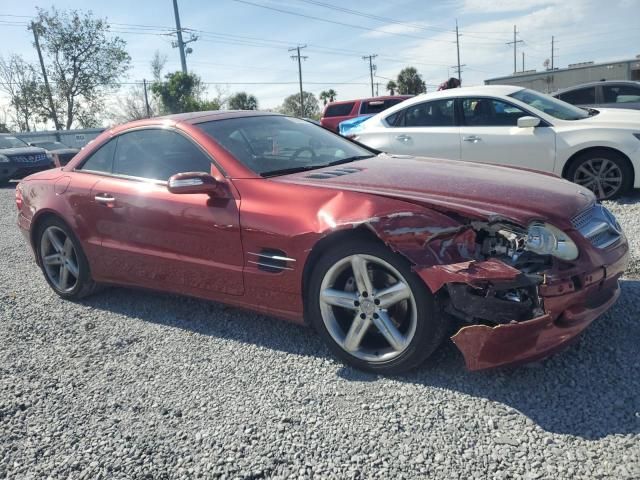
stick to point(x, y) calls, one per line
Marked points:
point(383, 255)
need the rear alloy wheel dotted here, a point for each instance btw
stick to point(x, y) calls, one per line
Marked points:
point(605, 173)
point(64, 265)
point(374, 312)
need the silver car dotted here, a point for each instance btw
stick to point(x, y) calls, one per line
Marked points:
point(605, 94)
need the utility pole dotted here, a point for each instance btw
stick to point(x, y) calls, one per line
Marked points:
point(180, 44)
point(458, 50)
point(299, 57)
point(371, 68)
point(553, 54)
point(523, 61)
point(377, 88)
point(146, 99)
point(515, 48)
point(35, 27)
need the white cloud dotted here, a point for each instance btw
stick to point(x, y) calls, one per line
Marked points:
point(495, 6)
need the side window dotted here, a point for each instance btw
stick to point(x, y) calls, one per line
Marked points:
point(621, 93)
point(102, 159)
point(157, 155)
point(373, 107)
point(581, 96)
point(487, 112)
point(439, 113)
point(338, 110)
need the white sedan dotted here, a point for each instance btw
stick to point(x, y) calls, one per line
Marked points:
point(599, 149)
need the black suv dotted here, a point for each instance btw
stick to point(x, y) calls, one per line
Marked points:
point(18, 159)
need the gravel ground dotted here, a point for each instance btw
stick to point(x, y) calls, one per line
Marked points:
point(130, 384)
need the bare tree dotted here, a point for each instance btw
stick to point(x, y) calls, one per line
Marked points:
point(19, 80)
point(158, 62)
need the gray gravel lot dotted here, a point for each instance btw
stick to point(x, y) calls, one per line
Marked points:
point(131, 384)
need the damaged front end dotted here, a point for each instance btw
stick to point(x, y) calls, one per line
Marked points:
point(517, 296)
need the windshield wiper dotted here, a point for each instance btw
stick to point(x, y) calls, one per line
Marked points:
point(285, 171)
point(304, 168)
point(348, 160)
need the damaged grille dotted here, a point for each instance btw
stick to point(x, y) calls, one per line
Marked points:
point(598, 225)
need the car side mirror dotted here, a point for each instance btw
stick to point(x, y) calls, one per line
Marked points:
point(193, 182)
point(528, 122)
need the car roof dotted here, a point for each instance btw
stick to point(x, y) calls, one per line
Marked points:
point(369, 99)
point(481, 90)
point(198, 117)
point(595, 84)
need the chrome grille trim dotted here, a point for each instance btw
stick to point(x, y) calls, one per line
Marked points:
point(598, 225)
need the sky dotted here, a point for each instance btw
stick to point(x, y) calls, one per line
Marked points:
point(243, 44)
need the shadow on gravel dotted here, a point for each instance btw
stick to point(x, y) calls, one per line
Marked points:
point(591, 390)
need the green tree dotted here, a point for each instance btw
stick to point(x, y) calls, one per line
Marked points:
point(242, 101)
point(291, 105)
point(328, 95)
point(83, 61)
point(182, 92)
point(392, 87)
point(410, 82)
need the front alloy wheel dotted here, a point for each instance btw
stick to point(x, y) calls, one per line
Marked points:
point(368, 308)
point(373, 311)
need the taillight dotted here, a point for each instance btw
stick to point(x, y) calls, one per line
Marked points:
point(19, 196)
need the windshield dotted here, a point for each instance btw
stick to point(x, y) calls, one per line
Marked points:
point(549, 105)
point(274, 145)
point(11, 142)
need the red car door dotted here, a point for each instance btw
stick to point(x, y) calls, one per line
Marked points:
point(150, 237)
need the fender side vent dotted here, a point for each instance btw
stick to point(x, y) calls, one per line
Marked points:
point(271, 260)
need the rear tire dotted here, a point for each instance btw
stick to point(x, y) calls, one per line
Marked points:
point(390, 329)
point(62, 260)
point(607, 174)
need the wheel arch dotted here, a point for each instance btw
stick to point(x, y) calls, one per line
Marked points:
point(573, 158)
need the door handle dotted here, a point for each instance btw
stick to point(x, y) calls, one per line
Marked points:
point(472, 139)
point(403, 138)
point(104, 198)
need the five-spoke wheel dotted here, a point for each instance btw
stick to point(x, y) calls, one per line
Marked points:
point(60, 255)
point(59, 259)
point(374, 312)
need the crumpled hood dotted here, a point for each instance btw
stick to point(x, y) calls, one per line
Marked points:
point(473, 189)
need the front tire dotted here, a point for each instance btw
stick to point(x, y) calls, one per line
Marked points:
point(607, 174)
point(62, 260)
point(372, 310)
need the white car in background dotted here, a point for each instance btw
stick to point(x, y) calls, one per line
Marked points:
point(596, 148)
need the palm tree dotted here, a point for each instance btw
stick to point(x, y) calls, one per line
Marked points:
point(392, 87)
point(328, 95)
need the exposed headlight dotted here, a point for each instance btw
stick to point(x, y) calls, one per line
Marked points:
point(4, 159)
point(545, 239)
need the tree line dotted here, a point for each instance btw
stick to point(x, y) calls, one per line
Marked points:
point(81, 64)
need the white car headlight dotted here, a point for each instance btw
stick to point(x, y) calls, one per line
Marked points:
point(545, 239)
point(4, 159)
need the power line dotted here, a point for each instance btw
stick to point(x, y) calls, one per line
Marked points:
point(344, 24)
